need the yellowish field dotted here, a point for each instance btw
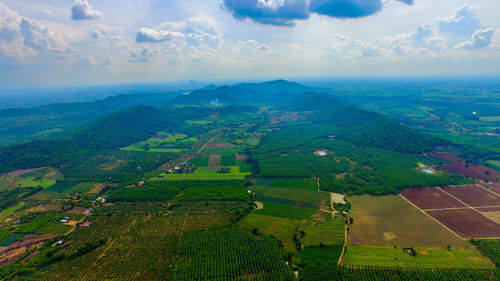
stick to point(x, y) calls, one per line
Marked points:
point(391, 220)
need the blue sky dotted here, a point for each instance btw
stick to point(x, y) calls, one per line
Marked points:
point(67, 42)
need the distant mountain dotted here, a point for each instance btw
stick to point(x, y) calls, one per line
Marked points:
point(268, 92)
point(218, 96)
point(276, 87)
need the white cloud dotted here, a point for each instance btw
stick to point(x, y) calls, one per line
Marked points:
point(96, 34)
point(480, 39)
point(82, 10)
point(144, 35)
point(146, 54)
point(344, 47)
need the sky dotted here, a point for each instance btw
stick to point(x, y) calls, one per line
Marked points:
point(88, 42)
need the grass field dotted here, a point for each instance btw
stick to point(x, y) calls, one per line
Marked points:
point(172, 143)
point(200, 161)
point(326, 233)
point(494, 164)
point(206, 173)
point(311, 184)
point(214, 193)
point(281, 228)
point(426, 257)
point(301, 195)
point(391, 220)
point(34, 182)
point(61, 190)
point(319, 255)
point(285, 211)
point(224, 151)
point(490, 118)
point(9, 211)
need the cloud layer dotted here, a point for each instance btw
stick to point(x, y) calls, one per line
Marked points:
point(287, 12)
point(82, 10)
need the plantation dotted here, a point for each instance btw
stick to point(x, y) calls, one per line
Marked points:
point(230, 253)
point(347, 273)
point(489, 247)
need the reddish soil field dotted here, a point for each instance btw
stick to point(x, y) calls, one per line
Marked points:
point(430, 198)
point(450, 157)
point(467, 223)
point(494, 187)
point(473, 195)
point(473, 171)
point(161, 137)
point(219, 145)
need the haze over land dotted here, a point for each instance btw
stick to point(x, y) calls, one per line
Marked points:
point(101, 42)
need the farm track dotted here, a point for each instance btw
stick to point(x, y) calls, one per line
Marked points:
point(346, 227)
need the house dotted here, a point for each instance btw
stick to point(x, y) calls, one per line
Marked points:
point(87, 223)
point(320, 153)
point(87, 211)
point(102, 199)
point(331, 137)
point(65, 220)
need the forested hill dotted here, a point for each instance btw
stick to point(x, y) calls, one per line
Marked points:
point(364, 128)
point(121, 128)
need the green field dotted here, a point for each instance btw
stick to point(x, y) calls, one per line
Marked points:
point(426, 257)
point(35, 181)
point(490, 118)
point(390, 220)
point(494, 163)
point(305, 196)
point(311, 184)
point(285, 211)
point(174, 143)
point(200, 161)
point(207, 173)
point(326, 233)
point(62, 189)
point(320, 255)
point(198, 122)
point(7, 212)
point(281, 228)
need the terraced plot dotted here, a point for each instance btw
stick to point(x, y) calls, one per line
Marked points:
point(467, 223)
point(474, 196)
point(430, 198)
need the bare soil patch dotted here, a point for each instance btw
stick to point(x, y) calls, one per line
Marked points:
point(46, 207)
point(23, 171)
point(77, 210)
point(17, 249)
point(473, 171)
point(219, 145)
point(467, 223)
point(430, 198)
point(214, 161)
point(473, 195)
point(446, 156)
